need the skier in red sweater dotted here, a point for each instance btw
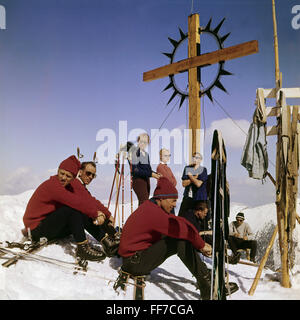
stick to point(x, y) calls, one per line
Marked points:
point(106, 234)
point(55, 211)
point(151, 234)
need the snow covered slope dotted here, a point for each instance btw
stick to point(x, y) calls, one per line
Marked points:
point(171, 281)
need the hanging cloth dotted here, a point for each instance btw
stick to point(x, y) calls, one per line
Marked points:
point(255, 156)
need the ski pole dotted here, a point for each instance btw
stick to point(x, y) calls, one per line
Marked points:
point(114, 179)
point(131, 198)
point(118, 193)
point(122, 181)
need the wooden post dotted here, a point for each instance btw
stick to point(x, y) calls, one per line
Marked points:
point(277, 72)
point(282, 196)
point(263, 262)
point(194, 85)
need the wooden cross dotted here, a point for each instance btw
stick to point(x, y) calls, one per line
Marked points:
point(191, 65)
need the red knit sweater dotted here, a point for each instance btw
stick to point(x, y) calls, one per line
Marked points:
point(148, 223)
point(166, 172)
point(80, 189)
point(50, 196)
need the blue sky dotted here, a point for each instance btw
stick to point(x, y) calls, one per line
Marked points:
point(70, 68)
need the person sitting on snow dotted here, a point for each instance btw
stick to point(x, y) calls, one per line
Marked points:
point(106, 234)
point(241, 237)
point(198, 217)
point(152, 234)
point(54, 211)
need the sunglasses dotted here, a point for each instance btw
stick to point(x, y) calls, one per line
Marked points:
point(90, 174)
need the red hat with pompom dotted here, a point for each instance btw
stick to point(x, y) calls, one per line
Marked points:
point(71, 164)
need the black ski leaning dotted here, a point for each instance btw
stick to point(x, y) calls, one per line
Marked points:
point(220, 212)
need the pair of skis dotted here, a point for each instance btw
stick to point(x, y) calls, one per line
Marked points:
point(28, 251)
point(27, 246)
point(220, 212)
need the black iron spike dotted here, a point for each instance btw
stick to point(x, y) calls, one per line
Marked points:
point(208, 93)
point(216, 30)
point(208, 24)
point(169, 55)
point(224, 37)
point(220, 86)
point(173, 96)
point(170, 85)
point(182, 100)
point(225, 73)
point(182, 34)
point(174, 42)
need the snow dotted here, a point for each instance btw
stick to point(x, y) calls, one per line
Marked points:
point(31, 280)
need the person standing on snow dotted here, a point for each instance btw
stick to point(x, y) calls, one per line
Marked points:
point(194, 179)
point(54, 211)
point(163, 168)
point(141, 168)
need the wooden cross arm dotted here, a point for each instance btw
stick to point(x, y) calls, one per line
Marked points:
point(229, 53)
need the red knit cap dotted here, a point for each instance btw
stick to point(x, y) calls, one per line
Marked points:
point(71, 164)
point(165, 189)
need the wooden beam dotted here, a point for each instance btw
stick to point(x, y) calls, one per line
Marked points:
point(273, 111)
point(271, 131)
point(289, 93)
point(263, 262)
point(229, 53)
point(194, 85)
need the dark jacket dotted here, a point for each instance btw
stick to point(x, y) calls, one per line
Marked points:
point(141, 167)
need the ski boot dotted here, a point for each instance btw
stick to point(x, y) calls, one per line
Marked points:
point(205, 287)
point(110, 244)
point(121, 280)
point(85, 252)
point(231, 288)
point(235, 258)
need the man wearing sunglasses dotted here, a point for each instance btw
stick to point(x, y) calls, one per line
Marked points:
point(194, 180)
point(55, 211)
point(102, 228)
point(87, 172)
point(241, 237)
